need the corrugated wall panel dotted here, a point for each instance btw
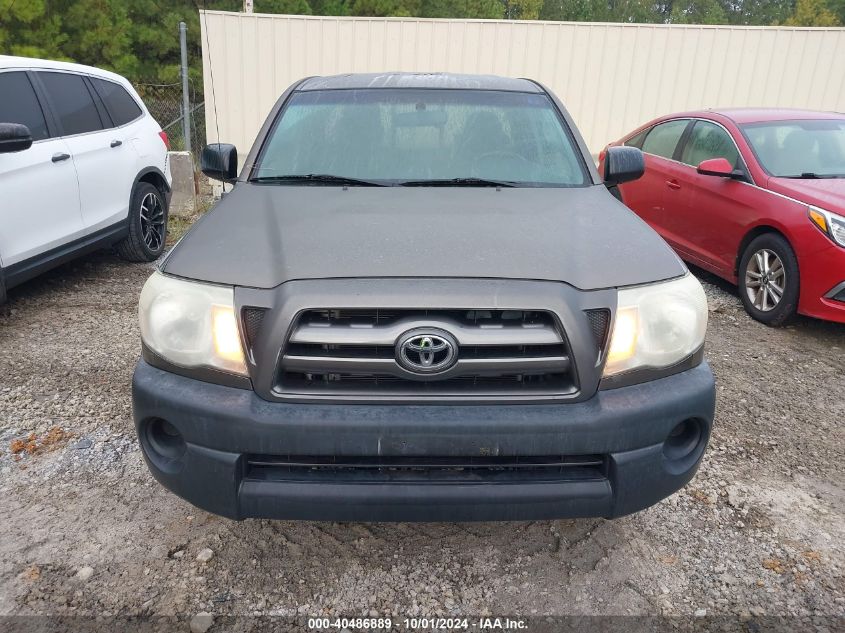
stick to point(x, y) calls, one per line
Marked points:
point(611, 77)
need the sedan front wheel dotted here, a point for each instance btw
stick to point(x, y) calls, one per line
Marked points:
point(768, 279)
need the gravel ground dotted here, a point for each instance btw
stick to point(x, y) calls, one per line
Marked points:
point(84, 529)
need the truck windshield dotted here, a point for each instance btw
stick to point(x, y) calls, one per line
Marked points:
point(395, 136)
point(799, 149)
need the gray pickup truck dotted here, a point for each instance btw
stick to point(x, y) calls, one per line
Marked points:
point(420, 302)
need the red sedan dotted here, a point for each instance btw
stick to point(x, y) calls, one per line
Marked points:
point(755, 196)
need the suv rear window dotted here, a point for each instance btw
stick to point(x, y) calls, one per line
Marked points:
point(20, 105)
point(72, 102)
point(396, 135)
point(120, 104)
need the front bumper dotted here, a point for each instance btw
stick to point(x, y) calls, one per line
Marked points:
point(224, 428)
point(822, 274)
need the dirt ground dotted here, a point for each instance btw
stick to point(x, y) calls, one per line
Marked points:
point(85, 530)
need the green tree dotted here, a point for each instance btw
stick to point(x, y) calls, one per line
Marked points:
point(485, 9)
point(102, 33)
point(27, 29)
point(698, 12)
point(330, 7)
point(574, 11)
point(294, 7)
point(509, 9)
point(155, 41)
point(837, 7)
point(812, 13)
point(522, 9)
point(382, 8)
point(640, 11)
point(757, 12)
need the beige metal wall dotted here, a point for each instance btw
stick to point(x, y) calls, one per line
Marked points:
point(611, 77)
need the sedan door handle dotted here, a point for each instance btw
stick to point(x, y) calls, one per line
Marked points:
point(116, 143)
point(57, 158)
point(673, 184)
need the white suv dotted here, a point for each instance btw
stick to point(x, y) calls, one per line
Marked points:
point(83, 166)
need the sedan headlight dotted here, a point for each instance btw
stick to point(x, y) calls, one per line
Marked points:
point(191, 324)
point(657, 325)
point(831, 224)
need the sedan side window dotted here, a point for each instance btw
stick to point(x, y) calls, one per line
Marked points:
point(20, 105)
point(637, 139)
point(663, 138)
point(72, 102)
point(707, 141)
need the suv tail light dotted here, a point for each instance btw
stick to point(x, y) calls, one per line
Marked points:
point(164, 139)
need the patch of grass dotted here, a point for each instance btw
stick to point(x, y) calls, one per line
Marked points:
point(178, 225)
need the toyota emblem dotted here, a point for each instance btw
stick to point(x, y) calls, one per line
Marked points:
point(426, 351)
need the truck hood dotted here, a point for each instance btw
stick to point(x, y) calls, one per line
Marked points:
point(264, 235)
point(827, 193)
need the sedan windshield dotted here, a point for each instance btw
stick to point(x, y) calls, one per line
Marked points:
point(799, 149)
point(397, 136)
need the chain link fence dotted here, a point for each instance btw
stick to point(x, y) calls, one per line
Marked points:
point(164, 101)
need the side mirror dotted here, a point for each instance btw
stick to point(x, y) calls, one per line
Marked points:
point(716, 167)
point(14, 137)
point(220, 162)
point(622, 164)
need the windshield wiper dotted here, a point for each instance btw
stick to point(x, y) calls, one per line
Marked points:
point(810, 175)
point(327, 179)
point(458, 182)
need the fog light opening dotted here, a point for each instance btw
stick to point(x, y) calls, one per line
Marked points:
point(684, 441)
point(165, 443)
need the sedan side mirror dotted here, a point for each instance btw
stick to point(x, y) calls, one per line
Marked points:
point(220, 162)
point(14, 137)
point(716, 167)
point(622, 164)
point(720, 167)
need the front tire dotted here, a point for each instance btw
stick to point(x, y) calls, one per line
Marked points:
point(768, 279)
point(147, 225)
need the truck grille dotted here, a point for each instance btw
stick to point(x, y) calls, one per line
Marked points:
point(500, 353)
point(405, 469)
point(599, 321)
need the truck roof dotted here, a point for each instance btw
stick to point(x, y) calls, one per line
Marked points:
point(419, 80)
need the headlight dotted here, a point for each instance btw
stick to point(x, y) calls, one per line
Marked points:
point(831, 224)
point(191, 324)
point(657, 325)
